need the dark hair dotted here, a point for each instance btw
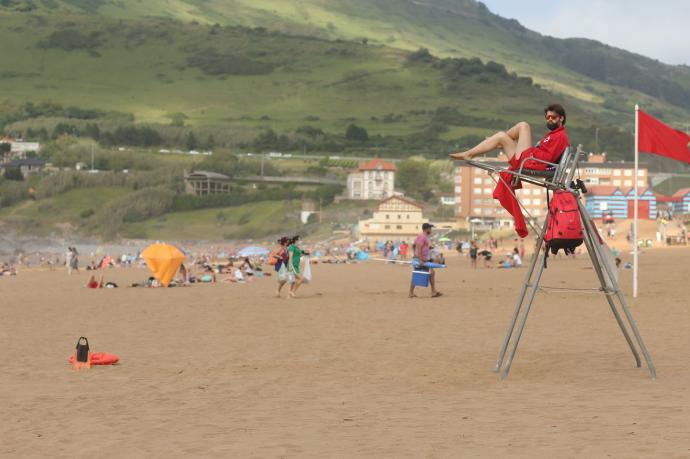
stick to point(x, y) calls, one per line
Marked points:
point(283, 240)
point(556, 108)
point(294, 239)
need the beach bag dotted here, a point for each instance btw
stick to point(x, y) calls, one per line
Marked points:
point(274, 257)
point(81, 358)
point(564, 229)
point(291, 278)
point(306, 275)
point(282, 273)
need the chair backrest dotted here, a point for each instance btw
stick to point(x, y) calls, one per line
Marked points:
point(572, 166)
point(561, 170)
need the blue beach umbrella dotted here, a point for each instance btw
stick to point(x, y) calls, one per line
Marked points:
point(253, 251)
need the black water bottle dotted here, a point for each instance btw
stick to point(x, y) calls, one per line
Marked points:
point(82, 349)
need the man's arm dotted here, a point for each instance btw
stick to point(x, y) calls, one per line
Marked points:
point(418, 248)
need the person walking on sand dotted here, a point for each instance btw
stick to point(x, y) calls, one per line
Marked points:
point(72, 260)
point(422, 249)
point(279, 259)
point(294, 256)
point(403, 251)
point(68, 260)
point(474, 251)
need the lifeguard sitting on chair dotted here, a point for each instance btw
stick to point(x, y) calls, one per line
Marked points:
point(516, 143)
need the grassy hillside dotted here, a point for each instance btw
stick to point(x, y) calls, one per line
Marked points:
point(584, 69)
point(249, 221)
point(243, 79)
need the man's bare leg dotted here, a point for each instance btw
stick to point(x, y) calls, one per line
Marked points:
point(432, 281)
point(512, 142)
point(522, 134)
point(412, 295)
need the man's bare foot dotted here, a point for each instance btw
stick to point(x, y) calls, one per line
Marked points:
point(464, 155)
point(436, 294)
point(412, 295)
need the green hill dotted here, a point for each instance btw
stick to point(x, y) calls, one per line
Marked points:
point(460, 28)
point(230, 83)
point(156, 70)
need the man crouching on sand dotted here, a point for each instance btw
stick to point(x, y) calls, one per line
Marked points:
point(422, 247)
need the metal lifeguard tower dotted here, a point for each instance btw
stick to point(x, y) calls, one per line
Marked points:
point(559, 176)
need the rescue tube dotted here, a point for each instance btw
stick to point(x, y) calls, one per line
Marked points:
point(100, 358)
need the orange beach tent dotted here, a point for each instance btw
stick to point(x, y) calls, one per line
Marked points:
point(163, 260)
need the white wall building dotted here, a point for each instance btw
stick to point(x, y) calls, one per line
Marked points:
point(396, 219)
point(372, 180)
point(19, 148)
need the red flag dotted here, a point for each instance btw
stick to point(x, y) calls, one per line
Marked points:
point(659, 139)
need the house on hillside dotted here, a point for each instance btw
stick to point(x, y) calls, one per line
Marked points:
point(28, 166)
point(19, 148)
point(395, 218)
point(373, 179)
point(201, 183)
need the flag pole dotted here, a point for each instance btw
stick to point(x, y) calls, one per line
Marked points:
point(635, 250)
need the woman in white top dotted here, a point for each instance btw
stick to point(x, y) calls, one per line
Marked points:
point(517, 261)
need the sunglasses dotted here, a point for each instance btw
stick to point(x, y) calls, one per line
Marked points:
point(552, 117)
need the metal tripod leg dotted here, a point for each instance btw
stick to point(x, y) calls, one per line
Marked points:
point(596, 257)
point(633, 325)
point(523, 321)
point(621, 298)
point(527, 284)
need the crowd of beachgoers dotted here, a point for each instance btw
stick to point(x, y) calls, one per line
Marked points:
point(225, 263)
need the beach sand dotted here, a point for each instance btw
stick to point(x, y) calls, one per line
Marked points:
point(353, 368)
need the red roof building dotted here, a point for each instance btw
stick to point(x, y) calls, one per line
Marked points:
point(373, 179)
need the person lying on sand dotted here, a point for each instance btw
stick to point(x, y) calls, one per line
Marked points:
point(7, 270)
point(92, 283)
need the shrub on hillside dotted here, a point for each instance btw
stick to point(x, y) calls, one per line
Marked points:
point(413, 177)
point(12, 192)
point(212, 62)
point(14, 174)
point(326, 194)
point(70, 39)
point(356, 133)
point(140, 205)
point(421, 55)
point(86, 213)
point(143, 136)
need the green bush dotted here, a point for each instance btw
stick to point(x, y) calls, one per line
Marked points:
point(12, 192)
point(14, 173)
point(212, 62)
point(86, 213)
point(141, 205)
point(70, 39)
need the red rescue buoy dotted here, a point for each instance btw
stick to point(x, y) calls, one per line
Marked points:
point(100, 358)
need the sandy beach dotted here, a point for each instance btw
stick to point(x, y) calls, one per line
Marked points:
point(352, 368)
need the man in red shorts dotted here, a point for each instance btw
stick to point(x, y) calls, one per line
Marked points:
point(516, 143)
